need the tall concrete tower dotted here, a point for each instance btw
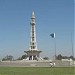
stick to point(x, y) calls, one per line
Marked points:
point(33, 43)
point(33, 52)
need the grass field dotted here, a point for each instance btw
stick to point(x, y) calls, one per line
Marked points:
point(36, 71)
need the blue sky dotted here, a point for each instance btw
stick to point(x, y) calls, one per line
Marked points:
point(51, 16)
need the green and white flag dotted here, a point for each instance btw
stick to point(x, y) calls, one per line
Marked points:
point(52, 35)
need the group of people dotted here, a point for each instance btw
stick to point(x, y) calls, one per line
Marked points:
point(52, 64)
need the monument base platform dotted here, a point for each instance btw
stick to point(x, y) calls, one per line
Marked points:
point(33, 55)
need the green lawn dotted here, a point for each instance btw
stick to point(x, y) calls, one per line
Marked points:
point(36, 71)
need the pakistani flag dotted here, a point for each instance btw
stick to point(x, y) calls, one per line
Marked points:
point(52, 35)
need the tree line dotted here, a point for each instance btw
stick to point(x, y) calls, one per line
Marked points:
point(58, 57)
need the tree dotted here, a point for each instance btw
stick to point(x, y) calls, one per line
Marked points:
point(59, 57)
point(46, 58)
point(22, 57)
point(8, 57)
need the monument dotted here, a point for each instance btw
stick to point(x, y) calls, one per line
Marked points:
point(33, 53)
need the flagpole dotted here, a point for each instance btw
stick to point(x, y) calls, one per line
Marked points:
point(54, 40)
point(55, 47)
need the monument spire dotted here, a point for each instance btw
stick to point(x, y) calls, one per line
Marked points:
point(33, 43)
point(33, 15)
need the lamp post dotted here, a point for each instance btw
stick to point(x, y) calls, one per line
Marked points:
point(72, 39)
point(72, 45)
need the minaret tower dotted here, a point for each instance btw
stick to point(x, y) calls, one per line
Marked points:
point(33, 44)
point(33, 52)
